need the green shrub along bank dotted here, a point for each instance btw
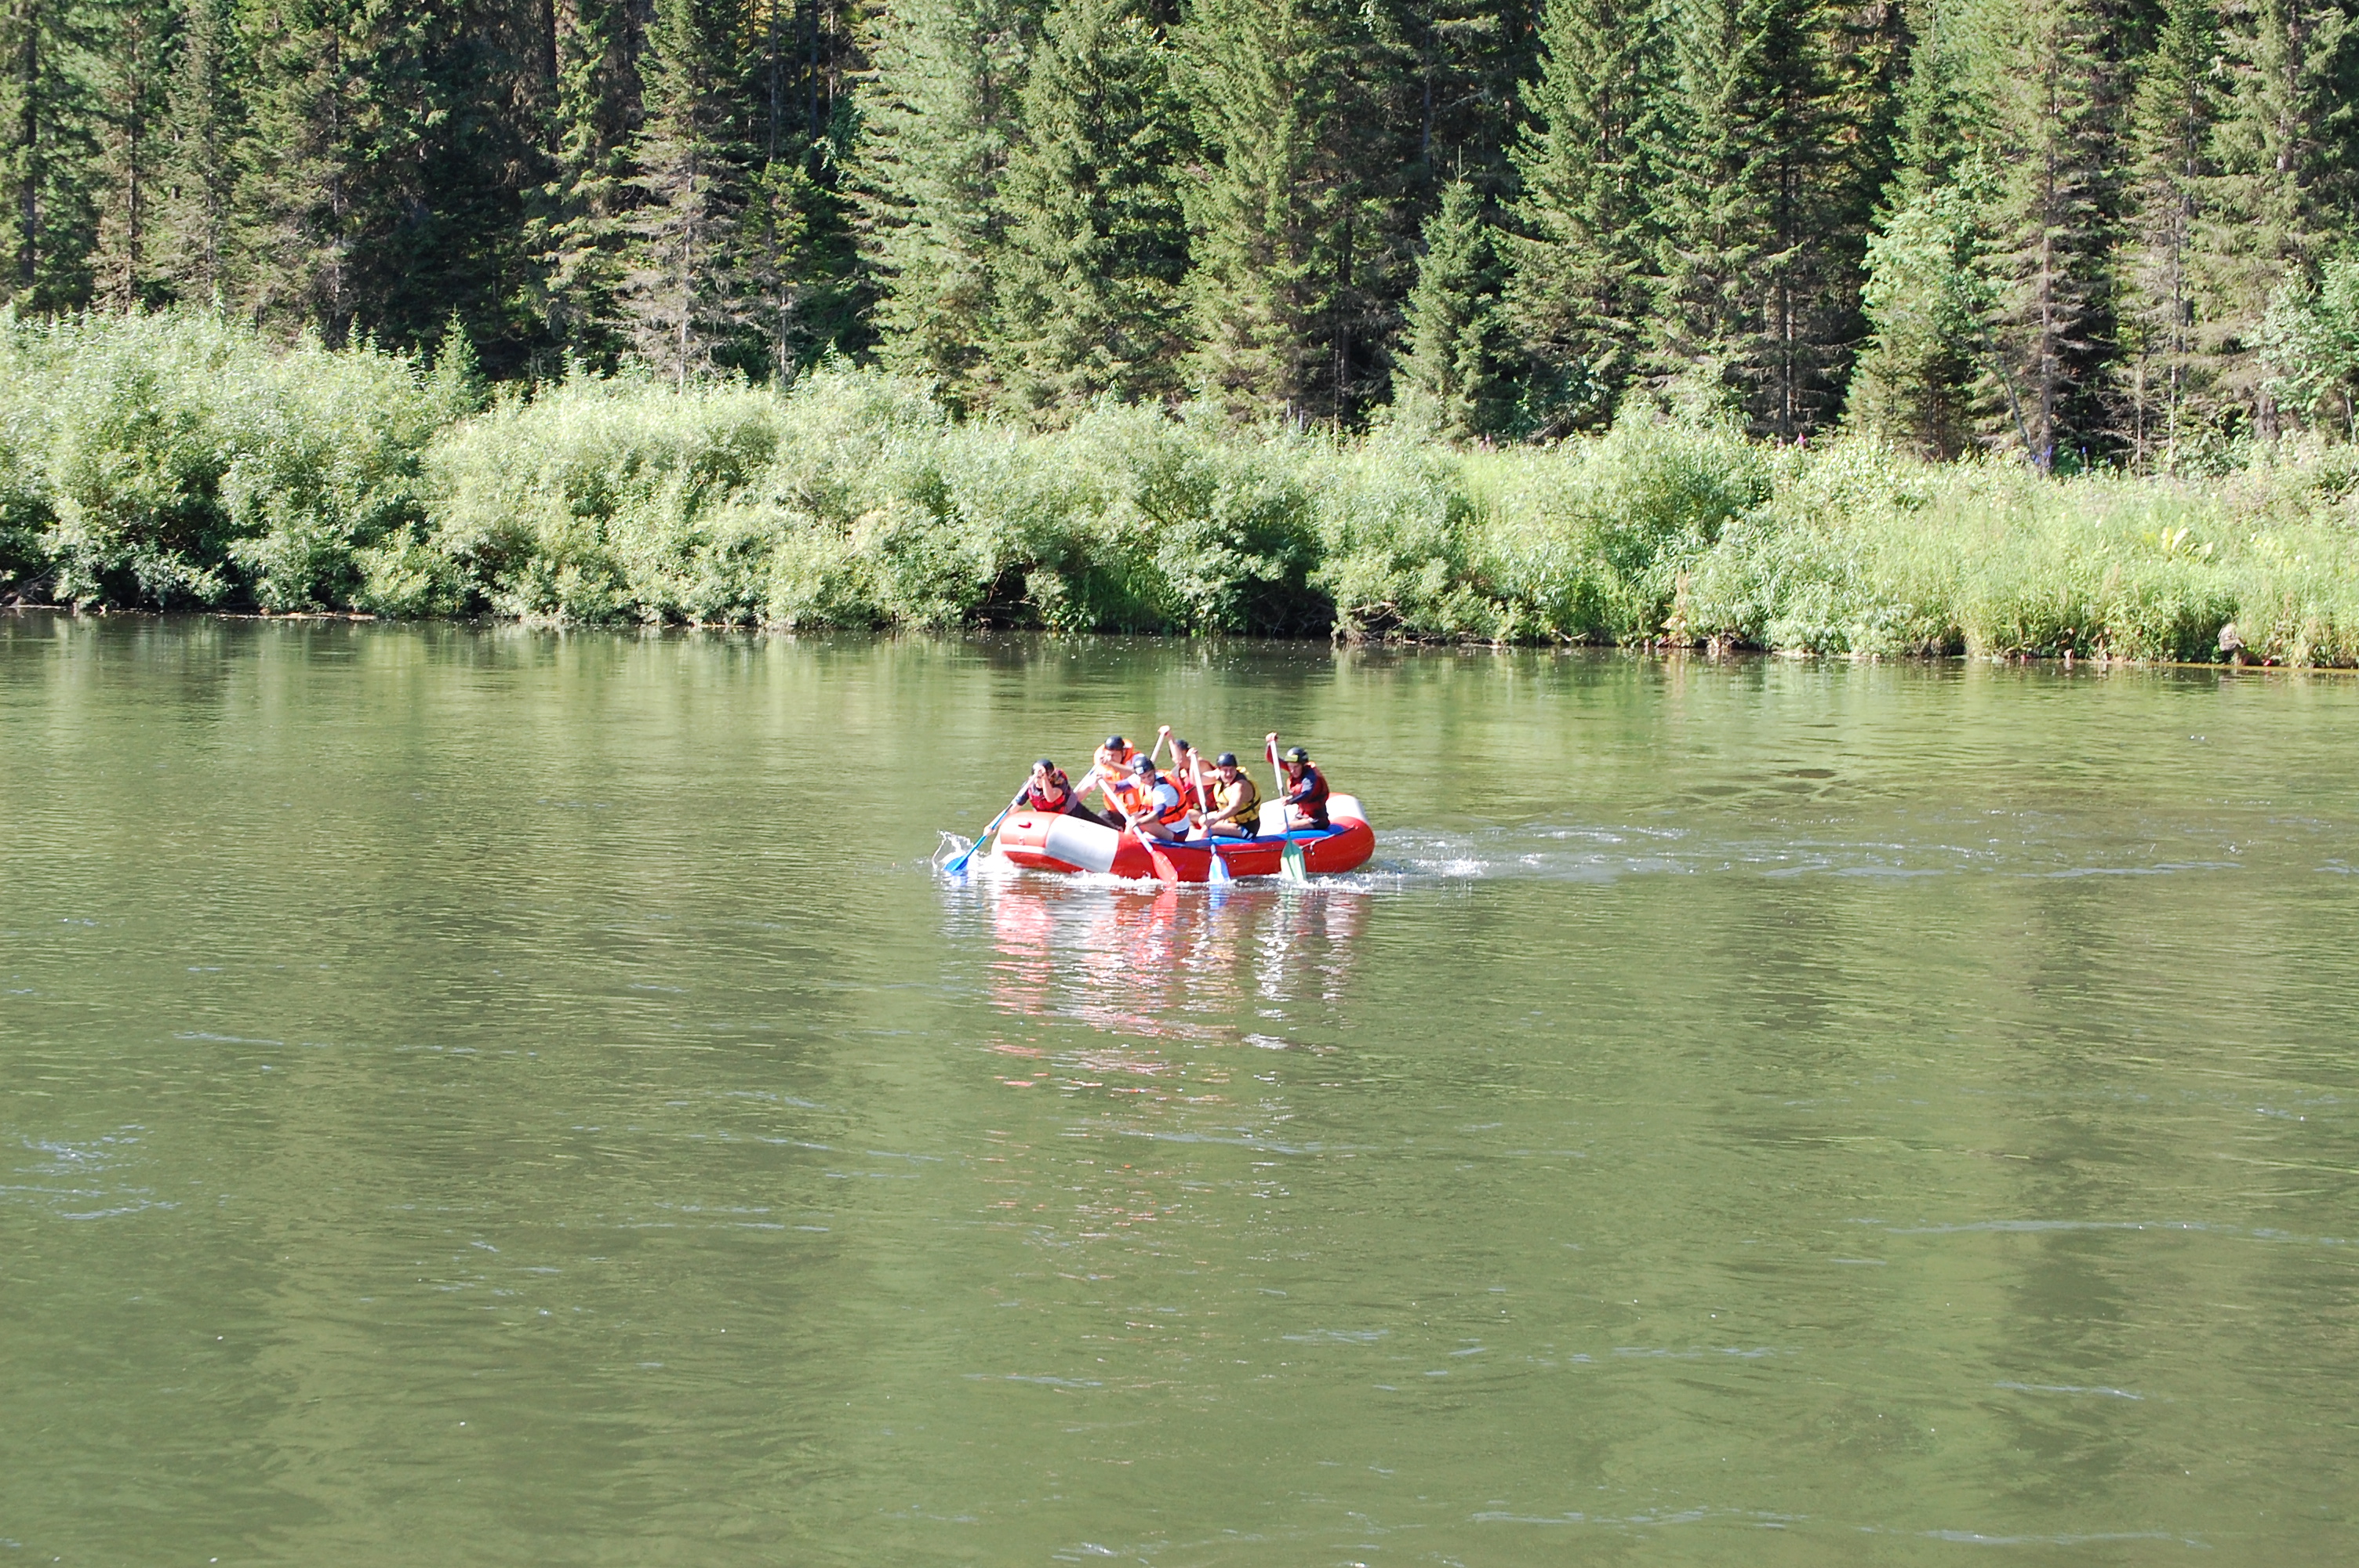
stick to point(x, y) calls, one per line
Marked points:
point(178, 461)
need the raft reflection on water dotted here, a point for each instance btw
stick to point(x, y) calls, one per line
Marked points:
point(1195, 965)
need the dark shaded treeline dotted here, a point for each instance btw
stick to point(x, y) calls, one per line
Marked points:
point(2081, 230)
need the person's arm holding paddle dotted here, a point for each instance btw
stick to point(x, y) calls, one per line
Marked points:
point(1232, 805)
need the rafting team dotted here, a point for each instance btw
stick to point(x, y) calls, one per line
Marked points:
point(1192, 800)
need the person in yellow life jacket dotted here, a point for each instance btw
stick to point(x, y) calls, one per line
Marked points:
point(1151, 804)
point(1235, 810)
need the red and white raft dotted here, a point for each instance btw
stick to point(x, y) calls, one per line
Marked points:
point(1058, 843)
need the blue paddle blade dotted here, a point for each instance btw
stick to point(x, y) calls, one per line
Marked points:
point(1219, 873)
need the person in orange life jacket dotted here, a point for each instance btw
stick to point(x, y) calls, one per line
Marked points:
point(1051, 793)
point(1235, 810)
point(1306, 791)
point(1109, 771)
point(1151, 804)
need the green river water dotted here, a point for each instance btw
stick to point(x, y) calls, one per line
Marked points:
point(500, 1096)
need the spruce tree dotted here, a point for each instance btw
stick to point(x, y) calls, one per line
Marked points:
point(791, 253)
point(132, 94)
point(2270, 210)
point(194, 246)
point(333, 128)
point(1578, 269)
point(48, 103)
point(2050, 80)
point(1088, 279)
point(1276, 215)
point(2162, 378)
point(578, 232)
point(684, 298)
point(1758, 234)
point(1449, 384)
point(936, 120)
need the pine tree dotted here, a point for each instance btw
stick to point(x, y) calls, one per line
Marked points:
point(683, 296)
point(194, 210)
point(791, 250)
point(1928, 296)
point(1928, 304)
point(48, 101)
point(2162, 377)
point(1577, 288)
point(1275, 216)
point(1449, 384)
point(2270, 211)
point(1758, 238)
point(1461, 68)
point(2048, 78)
point(328, 112)
point(133, 97)
point(1088, 280)
point(578, 232)
point(936, 122)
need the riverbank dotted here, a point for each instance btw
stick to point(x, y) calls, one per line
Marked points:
point(178, 461)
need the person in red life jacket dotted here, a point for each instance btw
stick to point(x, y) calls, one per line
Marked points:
point(1306, 791)
point(1051, 793)
point(1188, 775)
point(1151, 804)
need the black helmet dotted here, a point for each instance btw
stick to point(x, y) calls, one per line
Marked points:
point(1225, 760)
point(1116, 743)
point(1141, 765)
point(1045, 762)
point(1297, 755)
point(1183, 745)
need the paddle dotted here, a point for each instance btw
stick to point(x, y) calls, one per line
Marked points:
point(956, 865)
point(1164, 868)
point(1292, 867)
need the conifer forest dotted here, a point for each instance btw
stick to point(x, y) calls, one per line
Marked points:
point(2112, 240)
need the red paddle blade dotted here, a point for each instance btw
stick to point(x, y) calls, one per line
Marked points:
point(1163, 866)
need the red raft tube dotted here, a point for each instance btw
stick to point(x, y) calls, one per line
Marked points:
point(1042, 842)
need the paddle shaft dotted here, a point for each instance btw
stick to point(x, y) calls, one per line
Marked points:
point(959, 864)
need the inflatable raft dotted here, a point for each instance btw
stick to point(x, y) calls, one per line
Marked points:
point(1040, 842)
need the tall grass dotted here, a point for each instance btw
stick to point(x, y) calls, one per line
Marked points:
point(179, 461)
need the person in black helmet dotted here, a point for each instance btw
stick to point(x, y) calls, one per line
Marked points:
point(1051, 793)
point(1235, 810)
point(1152, 805)
point(1109, 774)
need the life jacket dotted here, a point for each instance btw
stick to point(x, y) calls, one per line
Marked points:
point(1059, 797)
point(1110, 776)
point(1175, 814)
point(1308, 794)
point(1184, 781)
point(1127, 796)
point(1240, 797)
point(1133, 797)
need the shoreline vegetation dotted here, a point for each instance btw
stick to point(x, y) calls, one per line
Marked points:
point(177, 461)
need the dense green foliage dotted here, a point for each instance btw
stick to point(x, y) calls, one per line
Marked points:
point(2084, 232)
point(179, 461)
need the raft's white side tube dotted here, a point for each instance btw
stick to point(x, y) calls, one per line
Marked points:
point(1082, 844)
